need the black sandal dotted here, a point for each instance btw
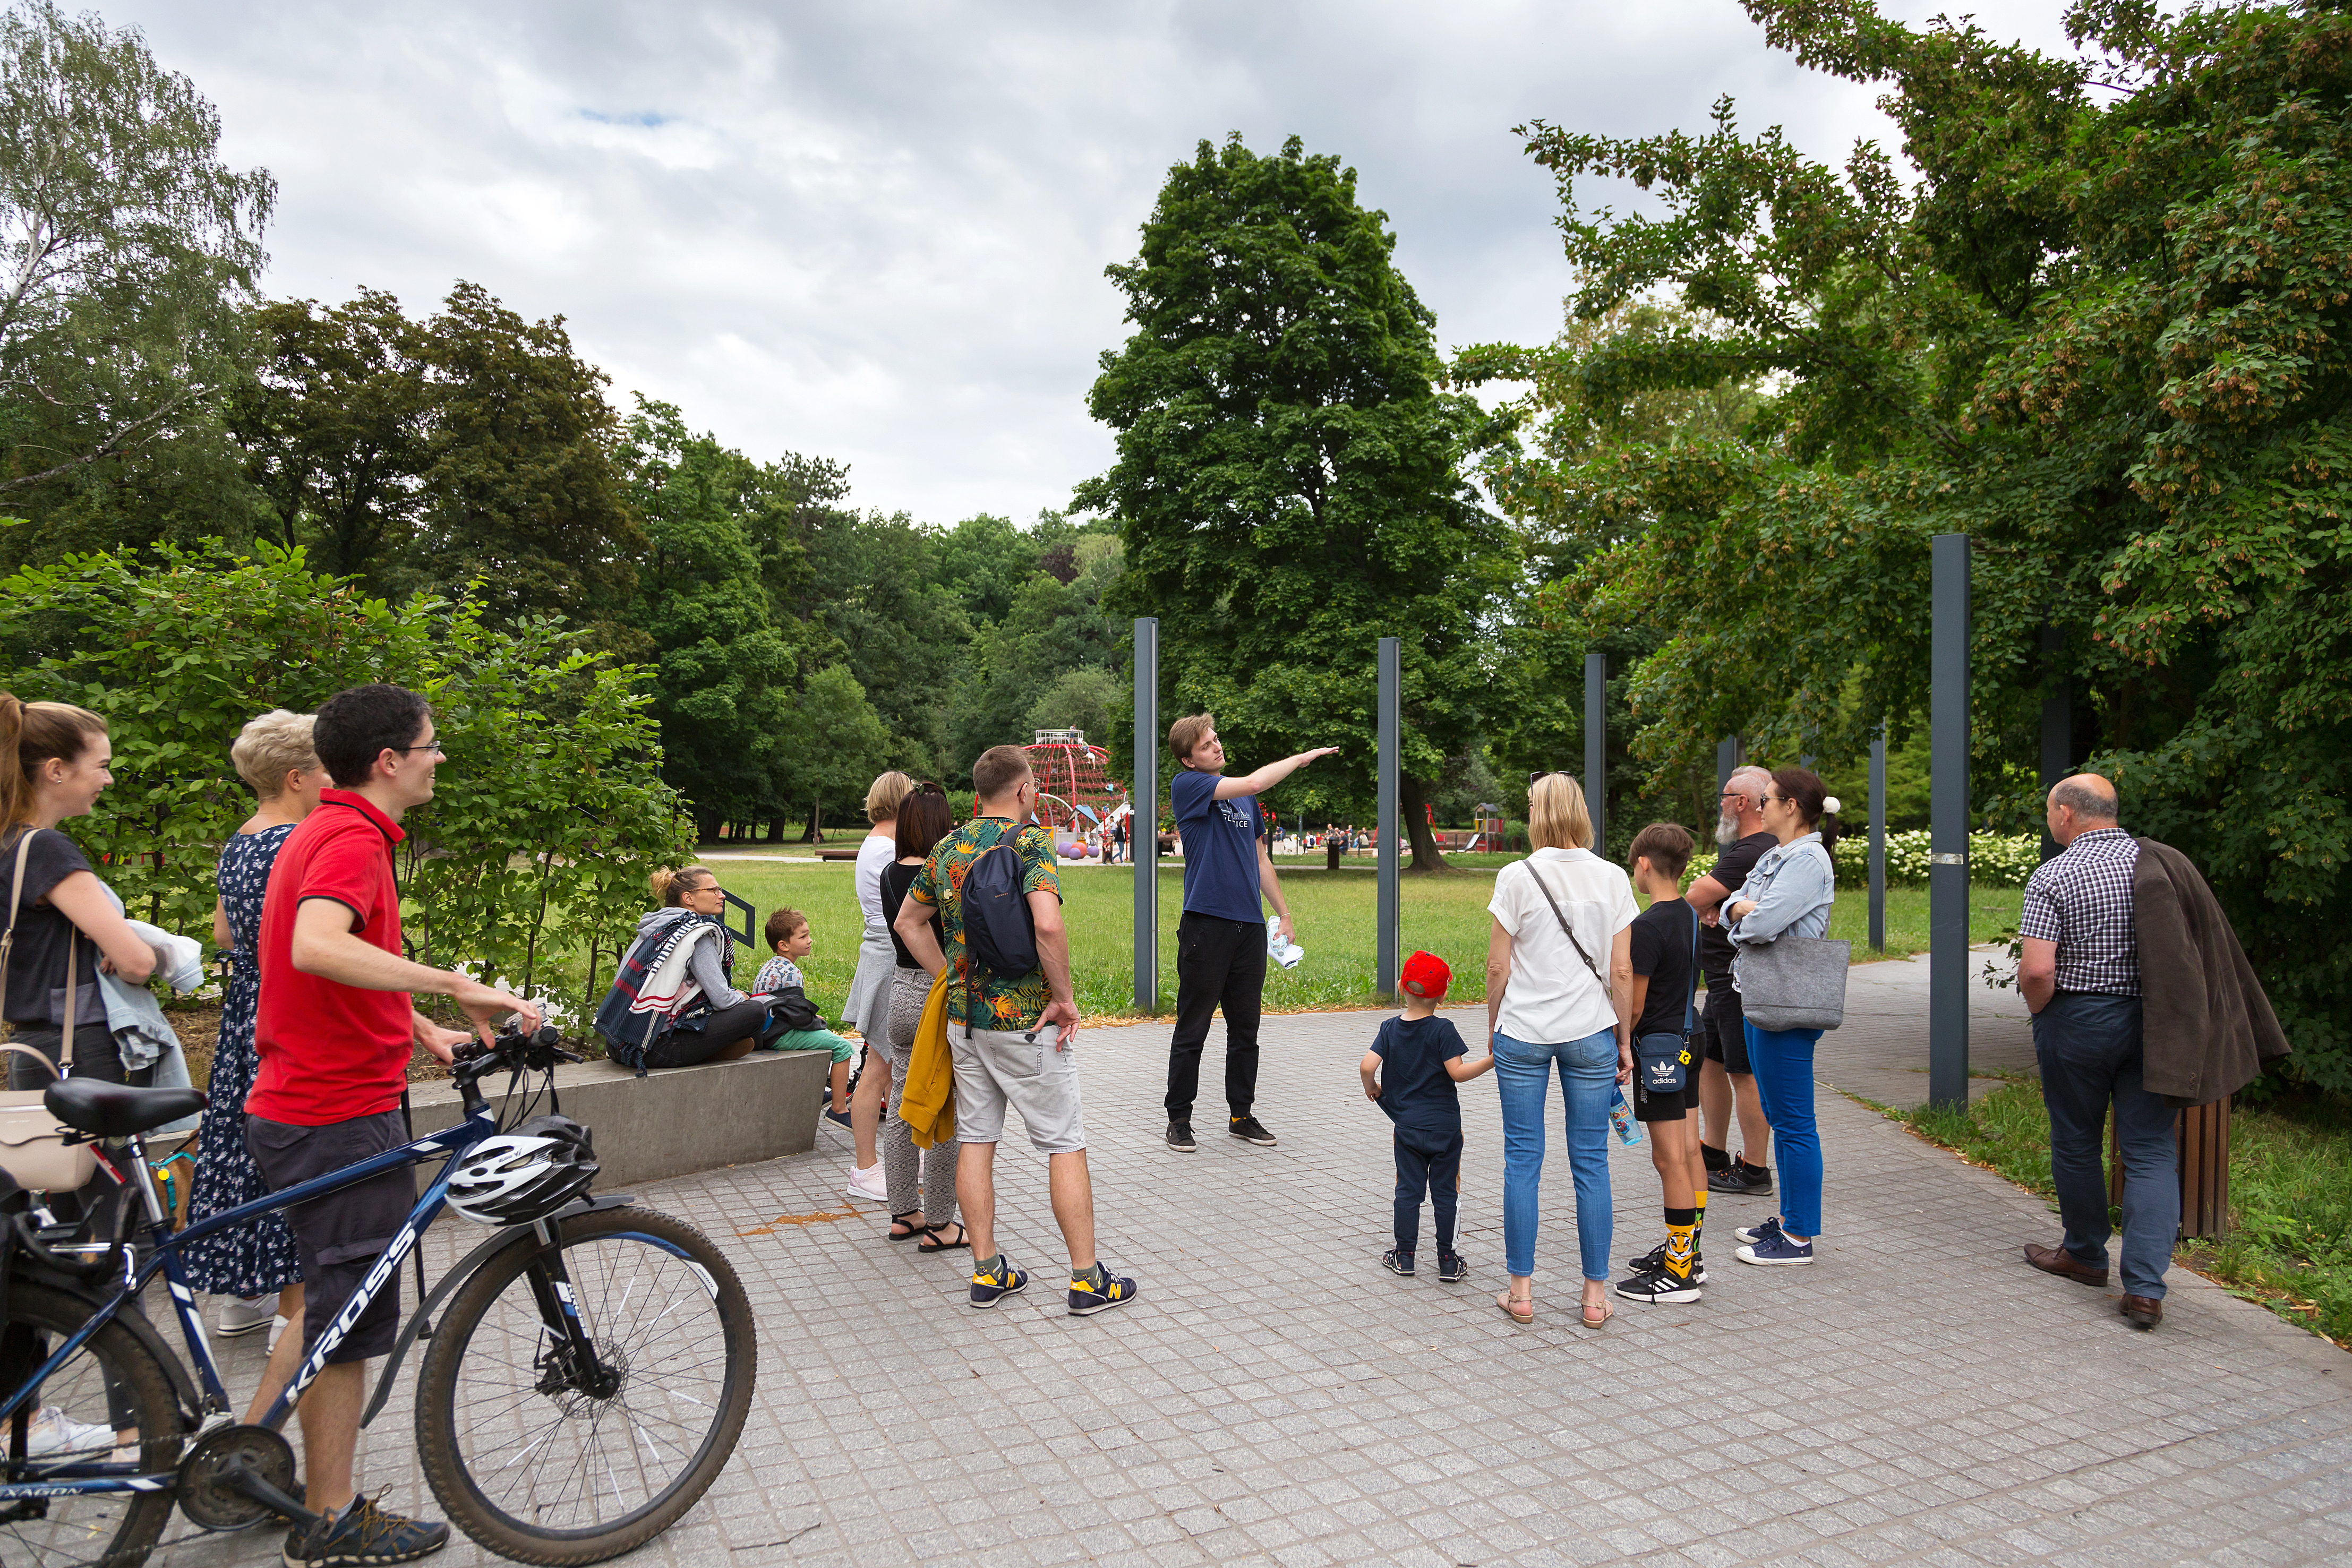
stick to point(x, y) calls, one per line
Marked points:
point(911, 1231)
point(932, 1242)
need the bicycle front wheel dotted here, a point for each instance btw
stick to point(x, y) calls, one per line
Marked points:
point(544, 1462)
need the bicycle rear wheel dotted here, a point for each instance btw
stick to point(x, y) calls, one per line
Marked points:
point(541, 1465)
point(108, 1396)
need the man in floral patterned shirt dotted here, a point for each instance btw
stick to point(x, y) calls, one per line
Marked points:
point(1018, 1052)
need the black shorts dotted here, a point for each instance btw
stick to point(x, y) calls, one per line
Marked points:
point(1649, 1107)
point(1726, 1042)
point(339, 1237)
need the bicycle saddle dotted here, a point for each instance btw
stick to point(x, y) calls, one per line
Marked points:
point(116, 1110)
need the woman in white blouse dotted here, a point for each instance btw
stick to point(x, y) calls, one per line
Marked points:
point(868, 1010)
point(1559, 998)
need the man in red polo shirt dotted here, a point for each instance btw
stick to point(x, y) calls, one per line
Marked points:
point(336, 1032)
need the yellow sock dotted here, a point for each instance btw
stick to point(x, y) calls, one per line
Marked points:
point(1681, 1240)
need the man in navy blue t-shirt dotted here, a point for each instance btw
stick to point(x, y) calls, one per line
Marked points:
point(1221, 941)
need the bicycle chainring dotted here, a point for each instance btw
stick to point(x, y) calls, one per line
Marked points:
point(206, 1497)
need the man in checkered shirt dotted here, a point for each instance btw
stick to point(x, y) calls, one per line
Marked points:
point(2080, 975)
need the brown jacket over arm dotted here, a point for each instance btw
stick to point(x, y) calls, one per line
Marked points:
point(2206, 1027)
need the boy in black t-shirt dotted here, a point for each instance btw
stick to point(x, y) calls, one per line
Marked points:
point(1425, 1058)
point(1665, 940)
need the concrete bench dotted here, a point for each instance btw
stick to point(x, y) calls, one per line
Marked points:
point(675, 1121)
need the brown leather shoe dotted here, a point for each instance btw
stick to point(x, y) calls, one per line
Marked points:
point(2145, 1311)
point(2059, 1261)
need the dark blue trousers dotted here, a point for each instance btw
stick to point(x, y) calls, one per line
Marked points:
point(1429, 1163)
point(2088, 1048)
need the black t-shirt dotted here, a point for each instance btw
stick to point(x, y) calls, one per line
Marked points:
point(1415, 1089)
point(37, 962)
point(896, 878)
point(1731, 869)
point(1662, 950)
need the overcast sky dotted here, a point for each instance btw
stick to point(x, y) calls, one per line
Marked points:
point(876, 232)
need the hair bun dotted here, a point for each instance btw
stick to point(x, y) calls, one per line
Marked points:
point(1829, 804)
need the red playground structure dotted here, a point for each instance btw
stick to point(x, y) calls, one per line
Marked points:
point(1076, 794)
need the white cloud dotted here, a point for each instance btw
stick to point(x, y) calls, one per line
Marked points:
point(877, 232)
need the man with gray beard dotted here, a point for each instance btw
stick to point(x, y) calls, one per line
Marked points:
point(1724, 1080)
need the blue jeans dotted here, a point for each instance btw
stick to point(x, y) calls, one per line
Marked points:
point(2088, 1046)
point(1587, 1071)
point(1782, 1060)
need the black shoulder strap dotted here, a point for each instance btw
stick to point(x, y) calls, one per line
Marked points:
point(1565, 927)
point(1690, 981)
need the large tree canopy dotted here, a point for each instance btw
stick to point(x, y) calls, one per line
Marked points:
point(1288, 486)
point(2100, 325)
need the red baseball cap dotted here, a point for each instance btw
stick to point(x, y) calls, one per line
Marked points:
point(1426, 975)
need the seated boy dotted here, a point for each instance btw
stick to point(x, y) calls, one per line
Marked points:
point(1425, 1058)
point(779, 980)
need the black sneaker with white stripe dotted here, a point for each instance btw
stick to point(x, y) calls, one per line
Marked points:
point(1655, 1260)
point(1659, 1287)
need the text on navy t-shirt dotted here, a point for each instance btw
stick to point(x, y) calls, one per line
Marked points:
point(1220, 848)
point(1416, 1090)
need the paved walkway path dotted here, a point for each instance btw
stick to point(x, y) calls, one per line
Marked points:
point(1881, 1053)
point(1276, 1397)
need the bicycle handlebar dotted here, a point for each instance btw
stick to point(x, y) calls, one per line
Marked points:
point(514, 1050)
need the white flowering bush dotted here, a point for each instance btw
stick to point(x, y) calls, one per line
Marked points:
point(1995, 860)
point(551, 1009)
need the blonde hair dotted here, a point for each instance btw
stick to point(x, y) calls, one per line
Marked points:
point(882, 797)
point(269, 747)
point(671, 885)
point(36, 732)
point(1556, 816)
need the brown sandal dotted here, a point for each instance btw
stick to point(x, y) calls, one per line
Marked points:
point(1519, 1309)
point(1604, 1308)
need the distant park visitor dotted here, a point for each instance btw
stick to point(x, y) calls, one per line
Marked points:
point(869, 1009)
point(1221, 940)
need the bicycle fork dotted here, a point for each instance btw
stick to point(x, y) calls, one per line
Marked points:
point(568, 1359)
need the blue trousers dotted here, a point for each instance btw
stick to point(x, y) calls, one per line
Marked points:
point(2088, 1048)
point(1587, 1071)
point(1429, 1164)
point(1782, 1059)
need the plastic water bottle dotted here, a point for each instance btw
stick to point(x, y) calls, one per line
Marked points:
point(1621, 1116)
point(1282, 951)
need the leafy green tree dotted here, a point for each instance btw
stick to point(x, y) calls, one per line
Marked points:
point(1086, 698)
point(2106, 339)
point(874, 586)
point(836, 744)
point(1051, 630)
point(335, 427)
point(1289, 486)
point(128, 252)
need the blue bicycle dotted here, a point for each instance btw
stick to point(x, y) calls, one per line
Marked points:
point(585, 1382)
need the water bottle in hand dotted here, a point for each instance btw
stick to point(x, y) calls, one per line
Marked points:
point(1621, 1116)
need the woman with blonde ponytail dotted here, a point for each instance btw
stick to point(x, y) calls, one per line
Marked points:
point(60, 756)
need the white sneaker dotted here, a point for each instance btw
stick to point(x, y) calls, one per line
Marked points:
point(247, 1314)
point(866, 1184)
point(277, 1333)
point(54, 1432)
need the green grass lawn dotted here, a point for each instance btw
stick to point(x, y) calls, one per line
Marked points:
point(1333, 912)
point(2290, 1199)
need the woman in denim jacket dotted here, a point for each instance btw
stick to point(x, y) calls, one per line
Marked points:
point(1788, 894)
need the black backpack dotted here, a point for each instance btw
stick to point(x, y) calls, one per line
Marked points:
point(998, 928)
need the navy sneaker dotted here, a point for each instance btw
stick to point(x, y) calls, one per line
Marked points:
point(1766, 1231)
point(1452, 1268)
point(838, 1118)
point(1098, 1292)
point(362, 1535)
point(1397, 1262)
point(989, 1286)
point(1776, 1248)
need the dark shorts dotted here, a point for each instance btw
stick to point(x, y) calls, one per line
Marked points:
point(341, 1236)
point(1649, 1107)
point(1726, 1042)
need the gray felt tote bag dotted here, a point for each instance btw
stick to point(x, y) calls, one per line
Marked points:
point(1796, 982)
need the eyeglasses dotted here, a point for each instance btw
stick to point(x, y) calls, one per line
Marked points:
point(1540, 774)
point(432, 745)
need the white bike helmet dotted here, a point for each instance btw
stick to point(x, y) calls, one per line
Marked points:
point(524, 1174)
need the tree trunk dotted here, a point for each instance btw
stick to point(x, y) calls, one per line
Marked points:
point(1411, 805)
point(775, 830)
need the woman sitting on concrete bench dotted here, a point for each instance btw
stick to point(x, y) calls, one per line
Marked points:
point(674, 1003)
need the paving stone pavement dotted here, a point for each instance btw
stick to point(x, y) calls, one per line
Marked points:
point(1274, 1397)
point(1881, 1051)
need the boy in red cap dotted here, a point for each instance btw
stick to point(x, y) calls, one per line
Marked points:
point(1425, 1058)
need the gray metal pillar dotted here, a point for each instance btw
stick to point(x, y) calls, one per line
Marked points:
point(1878, 839)
point(1596, 749)
point(1726, 759)
point(2057, 721)
point(1947, 815)
point(1145, 834)
point(1384, 977)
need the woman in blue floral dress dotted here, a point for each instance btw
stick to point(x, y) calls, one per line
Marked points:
point(255, 1260)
